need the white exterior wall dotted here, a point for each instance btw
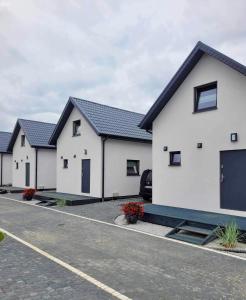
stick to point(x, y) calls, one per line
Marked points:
point(69, 180)
point(46, 169)
point(6, 168)
point(117, 152)
point(46, 165)
point(20, 155)
point(196, 184)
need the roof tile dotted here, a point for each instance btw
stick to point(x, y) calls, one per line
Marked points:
point(4, 141)
point(37, 133)
point(112, 121)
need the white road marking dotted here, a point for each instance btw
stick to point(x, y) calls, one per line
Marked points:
point(130, 229)
point(65, 265)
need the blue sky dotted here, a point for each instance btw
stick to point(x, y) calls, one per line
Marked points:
point(120, 53)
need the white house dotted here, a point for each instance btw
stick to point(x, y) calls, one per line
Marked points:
point(101, 151)
point(34, 160)
point(5, 159)
point(199, 135)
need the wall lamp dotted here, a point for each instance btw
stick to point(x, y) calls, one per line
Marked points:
point(234, 137)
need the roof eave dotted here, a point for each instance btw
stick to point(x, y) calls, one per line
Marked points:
point(126, 138)
point(52, 147)
point(61, 122)
point(13, 136)
point(5, 152)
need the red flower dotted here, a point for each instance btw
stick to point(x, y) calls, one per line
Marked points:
point(29, 193)
point(133, 208)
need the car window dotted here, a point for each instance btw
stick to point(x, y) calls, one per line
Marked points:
point(149, 177)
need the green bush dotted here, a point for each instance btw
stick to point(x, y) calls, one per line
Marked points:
point(61, 202)
point(2, 236)
point(229, 235)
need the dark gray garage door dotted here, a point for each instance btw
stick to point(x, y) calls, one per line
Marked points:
point(233, 179)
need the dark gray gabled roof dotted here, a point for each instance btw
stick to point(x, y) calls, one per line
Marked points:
point(4, 141)
point(37, 133)
point(105, 120)
point(180, 76)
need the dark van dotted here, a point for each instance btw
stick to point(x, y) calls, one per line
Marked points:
point(146, 185)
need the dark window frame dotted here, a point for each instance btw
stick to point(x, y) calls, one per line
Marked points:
point(138, 167)
point(171, 159)
point(198, 89)
point(65, 163)
point(23, 140)
point(76, 125)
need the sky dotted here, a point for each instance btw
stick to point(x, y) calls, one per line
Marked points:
point(116, 52)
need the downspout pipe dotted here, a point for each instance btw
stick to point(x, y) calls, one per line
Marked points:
point(104, 138)
point(1, 172)
point(36, 168)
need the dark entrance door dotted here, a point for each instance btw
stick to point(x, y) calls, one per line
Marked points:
point(233, 179)
point(86, 174)
point(27, 174)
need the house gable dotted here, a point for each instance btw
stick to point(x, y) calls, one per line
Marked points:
point(4, 141)
point(86, 131)
point(37, 133)
point(231, 93)
point(197, 53)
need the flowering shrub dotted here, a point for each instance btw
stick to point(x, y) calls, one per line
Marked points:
point(28, 194)
point(133, 209)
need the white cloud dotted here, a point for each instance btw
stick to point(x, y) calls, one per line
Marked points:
point(121, 53)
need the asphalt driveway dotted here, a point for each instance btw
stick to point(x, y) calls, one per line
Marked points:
point(136, 265)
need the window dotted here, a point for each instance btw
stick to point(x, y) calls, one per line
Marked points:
point(205, 97)
point(17, 165)
point(132, 167)
point(65, 163)
point(23, 140)
point(76, 128)
point(175, 158)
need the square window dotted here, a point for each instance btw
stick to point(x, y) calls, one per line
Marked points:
point(175, 158)
point(205, 97)
point(132, 167)
point(23, 140)
point(65, 163)
point(76, 128)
